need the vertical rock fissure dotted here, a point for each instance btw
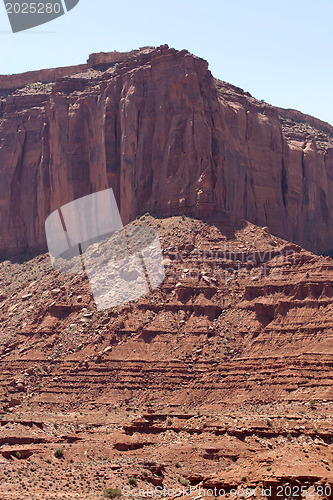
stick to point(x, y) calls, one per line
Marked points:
point(15, 192)
point(284, 182)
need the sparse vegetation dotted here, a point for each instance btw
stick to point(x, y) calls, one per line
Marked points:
point(112, 493)
point(132, 481)
point(59, 453)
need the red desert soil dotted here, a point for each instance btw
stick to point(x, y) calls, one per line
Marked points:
point(222, 377)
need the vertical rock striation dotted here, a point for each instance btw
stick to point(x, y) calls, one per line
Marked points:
point(154, 125)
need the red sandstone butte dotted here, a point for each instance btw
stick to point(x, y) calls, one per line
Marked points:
point(155, 125)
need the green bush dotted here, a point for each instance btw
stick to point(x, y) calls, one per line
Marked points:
point(59, 453)
point(112, 493)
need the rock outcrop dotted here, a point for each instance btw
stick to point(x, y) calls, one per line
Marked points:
point(155, 125)
point(221, 377)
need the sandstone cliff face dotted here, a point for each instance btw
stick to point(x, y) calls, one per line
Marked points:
point(155, 126)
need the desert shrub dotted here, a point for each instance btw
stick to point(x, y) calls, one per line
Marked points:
point(177, 465)
point(183, 481)
point(59, 453)
point(132, 481)
point(112, 493)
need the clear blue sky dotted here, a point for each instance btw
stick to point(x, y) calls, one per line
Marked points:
point(280, 51)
